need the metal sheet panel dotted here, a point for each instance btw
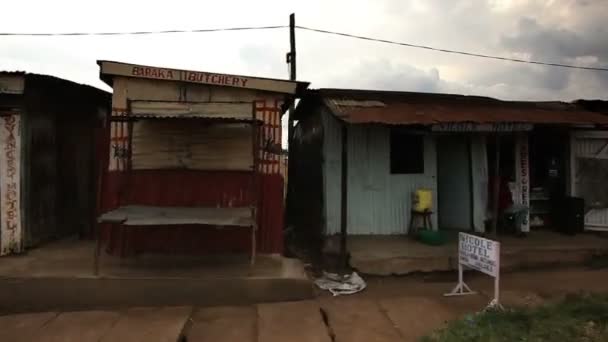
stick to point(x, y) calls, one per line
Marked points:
point(141, 215)
point(191, 145)
point(162, 109)
point(378, 202)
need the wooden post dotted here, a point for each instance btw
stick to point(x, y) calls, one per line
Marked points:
point(255, 186)
point(344, 198)
point(496, 186)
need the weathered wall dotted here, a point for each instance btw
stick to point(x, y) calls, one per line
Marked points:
point(378, 202)
point(40, 192)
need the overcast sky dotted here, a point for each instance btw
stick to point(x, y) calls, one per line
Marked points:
point(566, 31)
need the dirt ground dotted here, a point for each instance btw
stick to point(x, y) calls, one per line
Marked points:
point(390, 309)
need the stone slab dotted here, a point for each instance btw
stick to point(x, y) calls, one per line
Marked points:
point(359, 320)
point(223, 324)
point(85, 326)
point(415, 317)
point(150, 325)
point(23, 327)
point(291, 321)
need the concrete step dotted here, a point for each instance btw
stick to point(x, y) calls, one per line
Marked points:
point(40, 294)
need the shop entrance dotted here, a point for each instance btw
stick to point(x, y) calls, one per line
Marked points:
point(531, 175)
point(454, 185)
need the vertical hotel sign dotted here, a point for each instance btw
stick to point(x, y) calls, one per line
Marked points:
point(10, 218)
point(522, 177)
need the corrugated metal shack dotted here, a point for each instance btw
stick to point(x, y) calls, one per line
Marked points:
point(395, 143)
point(193, 161)
point(48, 131)
point(589, 164)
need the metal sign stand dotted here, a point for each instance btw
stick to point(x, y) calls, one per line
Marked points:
point(461, 289)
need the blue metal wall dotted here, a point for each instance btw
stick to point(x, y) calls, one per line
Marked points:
point(378, 202)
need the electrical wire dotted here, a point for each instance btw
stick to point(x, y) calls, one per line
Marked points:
point(141, 32)
point(471, 54)
point(342, 34)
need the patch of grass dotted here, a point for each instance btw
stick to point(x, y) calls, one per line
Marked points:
point(580, 317)
point(599, 261)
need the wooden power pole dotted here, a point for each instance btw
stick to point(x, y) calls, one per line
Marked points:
point(291, 61)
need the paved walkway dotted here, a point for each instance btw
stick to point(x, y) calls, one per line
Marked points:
point(304, 321)
point(392, 309)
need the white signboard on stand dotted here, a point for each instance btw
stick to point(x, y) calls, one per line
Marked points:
point(478, 254)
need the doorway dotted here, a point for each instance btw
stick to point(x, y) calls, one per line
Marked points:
point(454, 186)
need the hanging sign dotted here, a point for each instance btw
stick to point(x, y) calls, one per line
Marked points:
point(478, 254)
point(10, 218)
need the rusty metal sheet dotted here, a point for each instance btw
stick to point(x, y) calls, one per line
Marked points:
point(138, 215)
point(210, 110)
point(405, 108)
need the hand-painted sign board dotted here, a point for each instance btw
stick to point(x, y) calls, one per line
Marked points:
point(10, 217)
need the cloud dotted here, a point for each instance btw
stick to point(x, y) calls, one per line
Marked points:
point(557, 43)
point(563, 31)
point(383, 74)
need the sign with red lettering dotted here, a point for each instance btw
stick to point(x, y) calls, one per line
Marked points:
point(10, 217)
point(190, 76)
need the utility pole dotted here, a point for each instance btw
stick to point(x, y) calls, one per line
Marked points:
point(291, 61)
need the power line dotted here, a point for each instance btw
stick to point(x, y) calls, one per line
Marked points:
point(250, 28)
point(141, 32)
point(451, 51)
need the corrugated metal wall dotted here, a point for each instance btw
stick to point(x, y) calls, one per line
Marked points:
point(378, 202)
point(193, 188)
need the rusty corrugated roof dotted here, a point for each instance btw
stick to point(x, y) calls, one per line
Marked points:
point(409, 108)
